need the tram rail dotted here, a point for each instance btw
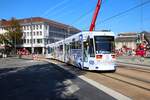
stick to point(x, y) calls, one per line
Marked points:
point(140, 69)
point(133, 81)
point(143, 84)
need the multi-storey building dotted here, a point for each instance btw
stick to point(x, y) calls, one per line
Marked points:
point(129, 39)
point(126, 39)
point(37, 32)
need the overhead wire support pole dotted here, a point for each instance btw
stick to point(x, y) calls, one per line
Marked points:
point(95, 15)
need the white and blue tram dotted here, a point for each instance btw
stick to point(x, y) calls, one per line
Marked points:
point(87, 50)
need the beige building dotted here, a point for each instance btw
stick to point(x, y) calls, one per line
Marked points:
point(126, 39)
point(130, 39)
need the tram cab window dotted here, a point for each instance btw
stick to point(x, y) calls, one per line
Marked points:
point(104, 44)
point(61, 47)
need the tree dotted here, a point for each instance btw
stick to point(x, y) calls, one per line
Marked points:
point(1, 39)
point(4, 40)
point(14, 33)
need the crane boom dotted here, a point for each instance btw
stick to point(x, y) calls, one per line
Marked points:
point(95, 15)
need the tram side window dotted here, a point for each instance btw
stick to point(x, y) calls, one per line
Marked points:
point(72, 45)
point(57, 48)
point(76, 45)
point(61, 47)
point(91, 48)
point(85, 58)
point(79, 45)
point(49, 50)
point(67, 48)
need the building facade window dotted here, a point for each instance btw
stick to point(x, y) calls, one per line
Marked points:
point(46, 27)
point(30, 33)
point(33, 27)
point(37, 27)
point(37, 33)
point(24, 27)
point(34, 33)
point(28, 41)
point(39, 41)
point(34, 41)
point(24, 41)
point(27, 33)
point(40, 32)
point(40, 26)
point(27, 27)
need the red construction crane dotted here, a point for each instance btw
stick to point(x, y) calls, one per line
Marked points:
point(95, 15)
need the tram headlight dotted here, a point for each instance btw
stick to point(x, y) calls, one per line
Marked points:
point(99, 56)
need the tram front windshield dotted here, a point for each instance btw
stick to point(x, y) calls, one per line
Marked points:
point(104, 44)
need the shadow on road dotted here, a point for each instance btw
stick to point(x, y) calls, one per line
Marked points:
point(38, 82)
point(5, 70)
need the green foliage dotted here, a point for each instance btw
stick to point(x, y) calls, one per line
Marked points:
point(4, 40)
point(13, 35)
point(1, 39)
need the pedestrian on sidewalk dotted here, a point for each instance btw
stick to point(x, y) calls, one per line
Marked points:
point(4, 58)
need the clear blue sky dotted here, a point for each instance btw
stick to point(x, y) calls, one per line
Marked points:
point(79, 13)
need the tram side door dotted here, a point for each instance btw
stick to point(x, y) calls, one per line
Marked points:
point(85, 54)
point(88, 52)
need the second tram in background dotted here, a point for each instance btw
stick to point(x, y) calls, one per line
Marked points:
point(86, 50)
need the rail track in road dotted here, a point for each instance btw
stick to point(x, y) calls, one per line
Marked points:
point(146, 70)
point(143, 84)
point(136, 78)
point(127, 81)
point(129, 78)
point(140, 70)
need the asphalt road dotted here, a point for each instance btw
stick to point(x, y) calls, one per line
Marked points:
point(22, 79)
